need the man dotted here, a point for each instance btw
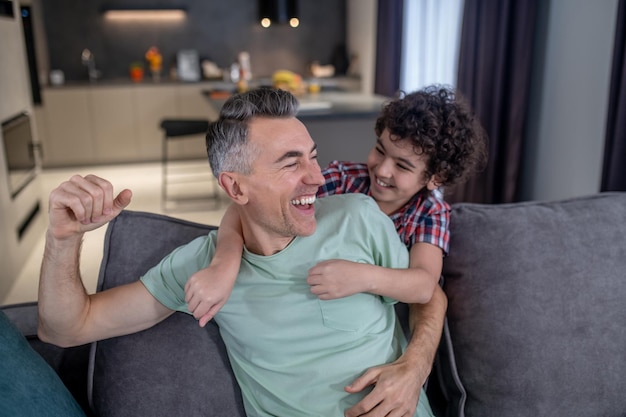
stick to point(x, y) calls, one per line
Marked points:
point(292, 353)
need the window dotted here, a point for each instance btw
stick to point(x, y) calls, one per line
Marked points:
point(431, 39)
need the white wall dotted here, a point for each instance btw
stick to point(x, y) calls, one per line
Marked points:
point(15, 98)
point(569, 99)
point(13, 83)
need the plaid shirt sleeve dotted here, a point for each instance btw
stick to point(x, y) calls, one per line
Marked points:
point(430, 224)
point(344, 178)
point(333, 179)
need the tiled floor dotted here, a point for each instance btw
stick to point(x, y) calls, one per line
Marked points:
point(145, 182)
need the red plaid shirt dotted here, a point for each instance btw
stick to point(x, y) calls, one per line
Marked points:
point(424, 218)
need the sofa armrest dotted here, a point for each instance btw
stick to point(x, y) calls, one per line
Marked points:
point(24, 316)
point(38, 378)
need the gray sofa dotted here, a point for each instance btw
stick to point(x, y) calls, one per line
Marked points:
point(536, 322)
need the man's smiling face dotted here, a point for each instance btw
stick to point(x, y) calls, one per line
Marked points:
point(284, 181)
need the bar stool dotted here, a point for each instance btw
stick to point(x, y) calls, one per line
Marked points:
point(175, 129)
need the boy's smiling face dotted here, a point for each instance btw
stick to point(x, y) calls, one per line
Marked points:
point(396, 173)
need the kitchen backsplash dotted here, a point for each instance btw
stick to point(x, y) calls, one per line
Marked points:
point(217, 30)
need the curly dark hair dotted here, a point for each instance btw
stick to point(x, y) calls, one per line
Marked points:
point(441, 125)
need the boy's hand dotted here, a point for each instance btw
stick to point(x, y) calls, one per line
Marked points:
point(207, 291)
point(336, 278)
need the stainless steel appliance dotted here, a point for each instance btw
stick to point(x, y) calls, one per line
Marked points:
point(19, 152)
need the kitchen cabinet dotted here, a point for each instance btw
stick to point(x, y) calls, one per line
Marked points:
point(151, 104)
point(67, 138)
point(113, 125)
point(190, 104)
point(342, 139)
point(102, 124)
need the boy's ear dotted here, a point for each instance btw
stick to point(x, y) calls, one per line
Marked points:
point(231, 183)
point(433, 183)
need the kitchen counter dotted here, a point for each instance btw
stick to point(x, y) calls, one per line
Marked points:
point(327, 105)
point(340, 104)
point(341, 123)
point(327, 84)
point(127, 82)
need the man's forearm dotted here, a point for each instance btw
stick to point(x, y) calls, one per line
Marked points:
point(62, 296)
point(426, 325)
point(400, 382)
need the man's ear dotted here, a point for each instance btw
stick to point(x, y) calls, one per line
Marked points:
point(231, 184)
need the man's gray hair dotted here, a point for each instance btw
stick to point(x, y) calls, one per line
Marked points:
point(227, 138)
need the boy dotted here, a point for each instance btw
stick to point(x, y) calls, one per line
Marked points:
point(426, 140)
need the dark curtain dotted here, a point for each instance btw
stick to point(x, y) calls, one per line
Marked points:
point(388, 47)
point(614, 169)
point(494, 75)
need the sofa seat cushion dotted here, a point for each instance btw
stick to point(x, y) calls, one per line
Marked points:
point(29, 386)
point(537, 307)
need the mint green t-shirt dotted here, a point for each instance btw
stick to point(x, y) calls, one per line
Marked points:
point(292, 353)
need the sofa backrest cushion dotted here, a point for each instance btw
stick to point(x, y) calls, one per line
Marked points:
point(175, 368)
point(537, 307)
